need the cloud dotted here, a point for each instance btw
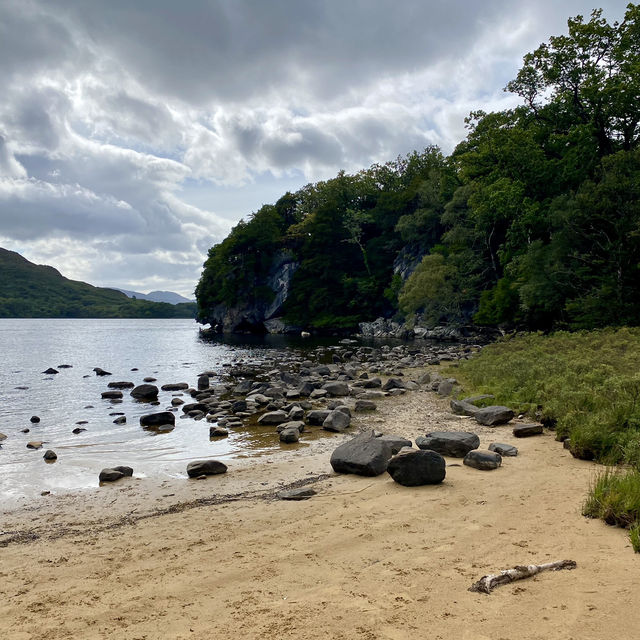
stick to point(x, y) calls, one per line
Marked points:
point(119, 117)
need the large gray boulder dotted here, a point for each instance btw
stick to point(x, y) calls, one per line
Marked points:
point(145, 392)
point(273, 418)
point(290, 435)
point(395, 442)
point(463, 408)
point(364, 455)
point(483, 460)
point(491, 416)
point(205, 468)
point(503, 449)
point(413, 468)
point(393, 383)
point(317, 416)
point(526, 430)
point(449, 443)
point(337, 420)
point(156, 419)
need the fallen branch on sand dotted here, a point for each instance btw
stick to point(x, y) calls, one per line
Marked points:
point(487, 583)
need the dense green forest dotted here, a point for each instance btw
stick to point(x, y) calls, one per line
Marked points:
point(28, 290)
point(533, 221)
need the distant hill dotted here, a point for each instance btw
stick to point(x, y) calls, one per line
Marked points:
point(157, 296)
point(28, 290)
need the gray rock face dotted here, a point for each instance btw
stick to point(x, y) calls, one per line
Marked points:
point(273, 418)
point(156, 419)
point(337, 420)
point(527, 430)
point(317, 416)
point(503, 449)
point(336, 388)
point(413, 468)
point(491, 416)
point(364, 455)
point(205, 468)
point(449, 443)
point(395, 442)
point(483, 460)
point(145, 392)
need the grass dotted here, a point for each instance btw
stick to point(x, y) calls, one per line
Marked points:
point(586, 386)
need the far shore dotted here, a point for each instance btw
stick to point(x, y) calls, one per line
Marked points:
point(364, 558)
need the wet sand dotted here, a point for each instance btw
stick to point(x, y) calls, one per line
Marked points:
point(365, 558)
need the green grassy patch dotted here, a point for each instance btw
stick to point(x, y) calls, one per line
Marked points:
point(587, 386)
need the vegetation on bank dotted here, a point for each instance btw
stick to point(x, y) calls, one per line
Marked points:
point(533, 221)
point(586, 385)
point(28, 290)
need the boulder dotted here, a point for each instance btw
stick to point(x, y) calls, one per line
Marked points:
point(110, 475)
point(393, 383)
point(491, 416)
point(120, 420)
point(50, 455)
point(365, 405)
point(101, 372)
point(483, 460)
point(34, 444)
point(125, 471)
point(50, 371)
point(205, 468)
point(337, 420)
point(34, 419)
point(121, 385)
point(526, 430)
point(218, 432)
point(145, 392)
point(445, 388)
point(195, 406)
point(3, 436)
point(449, 443)
point(273, 418)
point(364, 455)
point(175, 386)
point(156, 419)
point(413, 468)
point(203, 382)
point(503, 449)
point(293, 424)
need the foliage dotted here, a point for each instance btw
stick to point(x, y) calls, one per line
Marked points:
point(533, 222)
point(35, 291)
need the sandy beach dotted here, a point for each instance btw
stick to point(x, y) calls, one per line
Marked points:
point(364, 558)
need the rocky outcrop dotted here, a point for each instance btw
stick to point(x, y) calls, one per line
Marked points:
point(259, 316)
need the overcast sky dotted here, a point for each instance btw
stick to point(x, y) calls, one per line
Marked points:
point(135, 133)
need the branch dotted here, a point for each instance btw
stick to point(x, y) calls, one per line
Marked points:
point(487, 583)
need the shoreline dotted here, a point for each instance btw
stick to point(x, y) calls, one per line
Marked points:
point(364, 558)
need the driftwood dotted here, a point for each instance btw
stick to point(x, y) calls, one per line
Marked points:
point(487, 583)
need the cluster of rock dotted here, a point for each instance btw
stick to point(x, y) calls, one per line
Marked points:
point(385, 328)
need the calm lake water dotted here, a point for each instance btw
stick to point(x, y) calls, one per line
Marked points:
point(169, 350)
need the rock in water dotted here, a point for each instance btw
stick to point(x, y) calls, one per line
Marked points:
point(491, 416)
point(34, 444)
point(526, 430)
point(317, 416)
point(121, 385)
point(110, 475)
point(273, 417)
point(449, 443)
point(50, 371)
point(483, 460)
point(364, 455)
point(125, 471)
point(203, 382)
point(50, 455)
point(101, 372)
point(205, 468)
point(111, 395)
point(413, 468)
point(34, 419)
point(218, 432)
point(503, 449)
point(290, 435)
point(156, 419)
point(145, 392)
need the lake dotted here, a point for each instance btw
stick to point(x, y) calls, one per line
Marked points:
point(169, 350)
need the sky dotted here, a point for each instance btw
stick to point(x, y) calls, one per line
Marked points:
point(134, 134)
